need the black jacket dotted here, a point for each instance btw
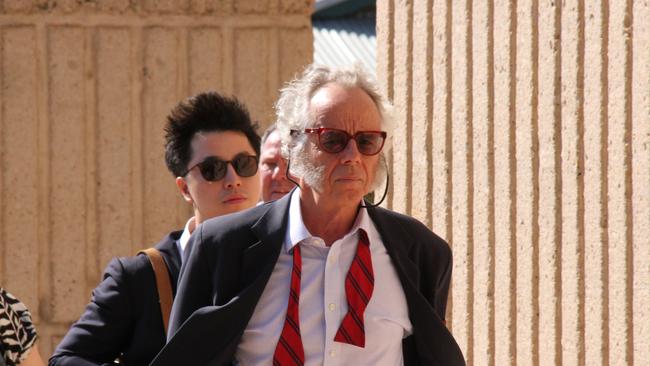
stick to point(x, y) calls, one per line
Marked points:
point(123, 318)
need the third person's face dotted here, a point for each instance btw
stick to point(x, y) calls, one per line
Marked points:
point(273, 170)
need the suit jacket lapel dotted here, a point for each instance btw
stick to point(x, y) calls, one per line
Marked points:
point(259, 258)
point(398, 243)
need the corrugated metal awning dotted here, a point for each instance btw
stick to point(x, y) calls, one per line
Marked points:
point(341, 42)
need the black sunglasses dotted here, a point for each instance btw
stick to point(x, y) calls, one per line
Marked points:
point(214, 169)
point(333, 140)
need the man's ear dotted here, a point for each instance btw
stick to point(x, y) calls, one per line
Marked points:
point(184, 189)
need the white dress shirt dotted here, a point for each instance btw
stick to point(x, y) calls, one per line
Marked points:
point(323, 301)
point(181, 243)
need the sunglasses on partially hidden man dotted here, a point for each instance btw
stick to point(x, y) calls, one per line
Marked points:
point(333, 140)
point(214, 169)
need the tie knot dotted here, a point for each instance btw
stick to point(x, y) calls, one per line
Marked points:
point(363, 237)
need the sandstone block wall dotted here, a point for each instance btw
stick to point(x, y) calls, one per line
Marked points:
point(523, 138)
point(84, 89)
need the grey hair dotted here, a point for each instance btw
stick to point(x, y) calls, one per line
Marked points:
point(292, 108)
point(267, 133)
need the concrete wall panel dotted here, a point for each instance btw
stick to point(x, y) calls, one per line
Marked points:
point(539, 143)
point(113, 140)
point(251, 75)
point(295, 45)
point(68, 151)
point(160, 93)
point(85, 89)
point(20, 170)
point(205, 59)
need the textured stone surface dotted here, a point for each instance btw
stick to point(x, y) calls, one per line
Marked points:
point(537, 168)
point(170, 7)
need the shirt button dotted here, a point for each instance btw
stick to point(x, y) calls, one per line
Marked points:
point(332, 307)
point(332, 353)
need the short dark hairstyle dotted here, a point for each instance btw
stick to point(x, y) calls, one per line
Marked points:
point(204, 112)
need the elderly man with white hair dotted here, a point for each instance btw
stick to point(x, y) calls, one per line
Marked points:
point(320, 276)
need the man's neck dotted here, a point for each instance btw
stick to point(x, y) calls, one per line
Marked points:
point(339, 219)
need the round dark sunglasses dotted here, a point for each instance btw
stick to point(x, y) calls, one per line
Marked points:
point(214, 169)
point(333, 140)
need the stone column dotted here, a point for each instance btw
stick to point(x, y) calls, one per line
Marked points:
point(523, 138)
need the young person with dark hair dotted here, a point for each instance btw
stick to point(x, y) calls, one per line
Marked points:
point(212, 150)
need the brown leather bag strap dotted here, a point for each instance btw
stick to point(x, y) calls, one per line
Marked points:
point(163, 284)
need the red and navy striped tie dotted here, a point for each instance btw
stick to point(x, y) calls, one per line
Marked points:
point(359, 284)
point(289, 350)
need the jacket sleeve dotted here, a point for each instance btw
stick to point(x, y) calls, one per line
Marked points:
point(99, 336)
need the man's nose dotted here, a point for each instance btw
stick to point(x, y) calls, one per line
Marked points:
point(280, 170)
point(350, 153)
point(232, 179)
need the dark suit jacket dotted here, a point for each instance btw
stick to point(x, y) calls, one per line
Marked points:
point(229, 260)
point(123, 317)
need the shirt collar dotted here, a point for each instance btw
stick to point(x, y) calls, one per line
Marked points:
point(297, 231)
point(185, 236)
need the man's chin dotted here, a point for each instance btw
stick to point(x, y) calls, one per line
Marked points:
point(277, 195)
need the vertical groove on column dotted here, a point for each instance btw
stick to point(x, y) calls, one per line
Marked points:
point(604, 191)
point(492, 187)
point(468, 215)
point(628, 21)
point(512, 166)
point(421, 155)
point(91, 248)
point(136, 142)
point(536, 182)
point(558, 183)
point(580, 209)
point(617, 177)
point(641, 182)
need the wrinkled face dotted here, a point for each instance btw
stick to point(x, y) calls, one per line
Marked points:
point(344, 177)
point(230, 194)
point(273, 170)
